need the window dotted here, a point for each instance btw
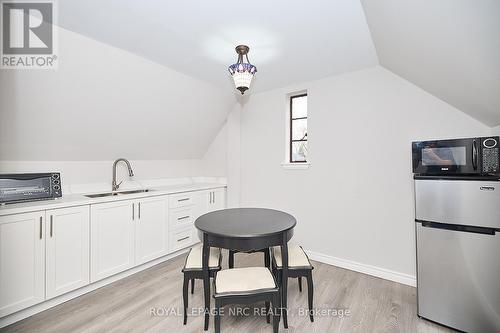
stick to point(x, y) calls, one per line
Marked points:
point(298, 129)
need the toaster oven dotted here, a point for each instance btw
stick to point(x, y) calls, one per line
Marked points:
point(29, 187)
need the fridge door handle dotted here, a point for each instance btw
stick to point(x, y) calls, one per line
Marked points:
point(459, 228)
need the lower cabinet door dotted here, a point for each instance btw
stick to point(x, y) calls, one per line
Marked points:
point(218, 199)
point(22, 264)
point(112, 238)
point(151, 229)
point(67, 249)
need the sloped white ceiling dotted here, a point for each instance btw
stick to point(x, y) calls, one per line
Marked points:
point(290, 40)
point(451, 48)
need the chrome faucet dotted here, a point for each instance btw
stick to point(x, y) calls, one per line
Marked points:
point(114, 185)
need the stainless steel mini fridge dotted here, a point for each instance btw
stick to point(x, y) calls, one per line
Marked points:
point(458, 252)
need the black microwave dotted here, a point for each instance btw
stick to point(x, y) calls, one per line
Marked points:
point(471, 156)
point(29, 187)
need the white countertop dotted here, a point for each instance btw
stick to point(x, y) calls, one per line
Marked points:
point(71, 200)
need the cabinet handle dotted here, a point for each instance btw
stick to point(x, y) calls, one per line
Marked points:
point(51, 223)
point(183, 217)
point(133, 211)
point(210, 200)
point(214, 196)
point(40, 227)
point(139, 204)
point(184, 199)
point(183, 238)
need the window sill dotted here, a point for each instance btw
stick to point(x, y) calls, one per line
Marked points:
point(295, 166)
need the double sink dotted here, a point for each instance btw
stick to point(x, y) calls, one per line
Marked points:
point(109, 194)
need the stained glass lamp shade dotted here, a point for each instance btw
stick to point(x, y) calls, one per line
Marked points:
point(242, 72)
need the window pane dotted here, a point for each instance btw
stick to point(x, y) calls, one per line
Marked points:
point(299, 107)
point(299, 129)
point(299, 151)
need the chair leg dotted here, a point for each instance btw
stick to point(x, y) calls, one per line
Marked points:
point(217, 316)
point(300, 283)
point(277, 275)
point(284, 313)
point(231, 259)
point(268, 316)
point(192, 286)
point(310, 294)
point(185, 297)
point(276, 312)
point(267, 258)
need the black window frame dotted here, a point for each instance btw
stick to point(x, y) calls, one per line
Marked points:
point(291, 119)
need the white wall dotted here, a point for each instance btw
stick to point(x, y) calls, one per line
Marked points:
point(355, 202)
point(86, 175)
point(495, 130)
point(103, 102)
point(234, 156)
point(214, 162)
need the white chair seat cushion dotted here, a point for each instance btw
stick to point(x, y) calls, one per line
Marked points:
point(195, 257)
point(236, 280)
point(296, 256)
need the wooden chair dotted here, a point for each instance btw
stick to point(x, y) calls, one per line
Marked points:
point(193, 270)
point(299, 266)
point(243, 286)
point(267, 258)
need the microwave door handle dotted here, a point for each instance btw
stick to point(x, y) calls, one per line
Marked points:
point(474, 154)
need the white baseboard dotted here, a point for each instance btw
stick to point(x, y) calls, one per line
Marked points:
point(28, 312)
point(383, 273)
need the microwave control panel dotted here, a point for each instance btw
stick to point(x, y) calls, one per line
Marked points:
point(490, 155)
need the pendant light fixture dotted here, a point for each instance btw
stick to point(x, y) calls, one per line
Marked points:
point(242, 72)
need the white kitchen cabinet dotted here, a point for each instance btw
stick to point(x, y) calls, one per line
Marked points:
point(127, 233)
point(112, 244)
point(151, 229)
point(182, 199)
point(67, 236)
point(180, 239)
point(182, 217)
point(216, 199)
point(211, 200)
point(22, 261)
point(207, 201)
point(49, 253)
point(180, 220)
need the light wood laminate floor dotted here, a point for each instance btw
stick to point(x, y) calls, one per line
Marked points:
point(375, 305)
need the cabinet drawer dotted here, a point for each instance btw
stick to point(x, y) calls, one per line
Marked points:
point(181, 200)
point(181, 239)
point(181, 217)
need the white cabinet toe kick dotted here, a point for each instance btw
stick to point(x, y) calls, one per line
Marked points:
point(51, 256)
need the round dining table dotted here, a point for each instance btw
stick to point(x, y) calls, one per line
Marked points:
point(245, 230)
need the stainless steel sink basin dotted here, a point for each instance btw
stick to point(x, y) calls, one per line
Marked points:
point(110, 194)
point(100, 195)
point(133, 191)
